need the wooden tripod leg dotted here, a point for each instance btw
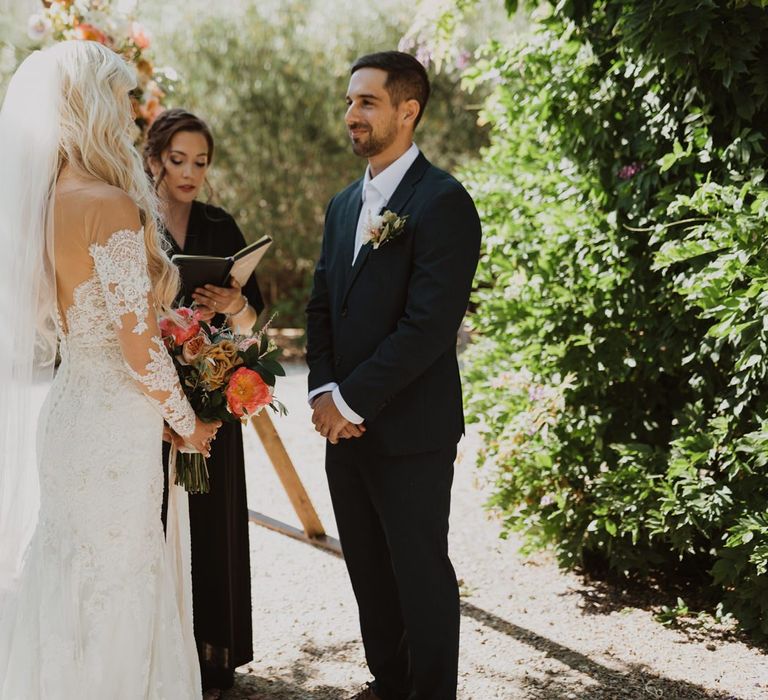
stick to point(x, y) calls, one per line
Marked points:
point(287, 472)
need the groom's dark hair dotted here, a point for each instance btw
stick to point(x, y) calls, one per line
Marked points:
point(406, 77)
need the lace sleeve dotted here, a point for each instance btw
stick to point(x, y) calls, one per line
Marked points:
point(121, 267)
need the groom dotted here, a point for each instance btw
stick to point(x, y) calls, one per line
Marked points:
point(387, 302)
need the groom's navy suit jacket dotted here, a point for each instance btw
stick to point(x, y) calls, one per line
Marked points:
point(385, 328)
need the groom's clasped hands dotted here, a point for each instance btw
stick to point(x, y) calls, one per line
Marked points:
point(329, 422)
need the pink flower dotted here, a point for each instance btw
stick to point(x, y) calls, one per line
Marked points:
point(182, 330)
point(243, 345)
point(247, 393)
point(192, 348)
point(38, 27)
point(627, 172)
point(139, 36)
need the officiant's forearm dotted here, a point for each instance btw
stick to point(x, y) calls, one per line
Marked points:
point(244, 321)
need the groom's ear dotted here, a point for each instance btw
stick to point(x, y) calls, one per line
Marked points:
point(410, 112)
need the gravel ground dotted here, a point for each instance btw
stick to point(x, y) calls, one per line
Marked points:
point(529, 631)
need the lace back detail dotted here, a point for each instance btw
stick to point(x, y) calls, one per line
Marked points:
point(122, 268)
point(113, 315)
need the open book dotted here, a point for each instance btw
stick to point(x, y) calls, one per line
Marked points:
point(199, 270)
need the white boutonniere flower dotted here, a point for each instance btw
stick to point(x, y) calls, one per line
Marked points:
point(383, 228)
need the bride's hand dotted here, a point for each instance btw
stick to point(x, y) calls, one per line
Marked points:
point(204, 434)
point(170, 435)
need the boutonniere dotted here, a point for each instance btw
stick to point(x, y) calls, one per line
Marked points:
point(383, 228)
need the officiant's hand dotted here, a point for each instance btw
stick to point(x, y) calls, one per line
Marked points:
point(204, 313)
point(330, 423)
point(220, 300)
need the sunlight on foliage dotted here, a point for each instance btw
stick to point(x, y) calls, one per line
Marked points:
point(625, 215)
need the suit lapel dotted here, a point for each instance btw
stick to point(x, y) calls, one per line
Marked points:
point(350, 215)
point(400, 198)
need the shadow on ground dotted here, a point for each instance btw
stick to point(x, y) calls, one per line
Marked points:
point(606, 595)
point(632, 682)
point(253, 687)
point(595, 682)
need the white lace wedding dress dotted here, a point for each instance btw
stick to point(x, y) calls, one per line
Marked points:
point(104, 609)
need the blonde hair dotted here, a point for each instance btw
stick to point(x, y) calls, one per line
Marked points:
point(96, 137)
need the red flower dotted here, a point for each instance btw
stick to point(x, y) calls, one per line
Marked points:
point(180, 332)
point(247, 393)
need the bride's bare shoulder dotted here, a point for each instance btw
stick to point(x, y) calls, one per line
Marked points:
point(100, 209)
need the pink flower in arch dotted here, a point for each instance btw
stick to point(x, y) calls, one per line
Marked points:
point(139, 36)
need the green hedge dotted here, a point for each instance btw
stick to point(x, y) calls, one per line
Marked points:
point(620, 372)
point(271, 78)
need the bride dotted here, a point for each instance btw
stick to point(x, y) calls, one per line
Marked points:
point(94, 603)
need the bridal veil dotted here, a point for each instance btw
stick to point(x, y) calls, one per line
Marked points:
point(29, 137)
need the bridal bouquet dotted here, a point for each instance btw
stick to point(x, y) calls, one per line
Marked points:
point(225, 376)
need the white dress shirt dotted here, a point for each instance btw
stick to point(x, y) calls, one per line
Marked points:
point(376, 193)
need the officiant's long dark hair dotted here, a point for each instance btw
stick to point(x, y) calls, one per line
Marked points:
point(161, 133)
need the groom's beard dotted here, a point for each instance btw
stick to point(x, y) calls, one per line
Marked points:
point(371, 144)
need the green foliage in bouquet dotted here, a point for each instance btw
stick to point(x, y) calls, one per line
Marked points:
point(620, 372)
point(225, 376)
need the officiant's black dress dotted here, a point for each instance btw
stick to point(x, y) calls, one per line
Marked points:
point(221, 574)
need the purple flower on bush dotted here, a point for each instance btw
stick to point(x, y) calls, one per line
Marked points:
point(405, 44)
point(462, 60)
point(424, 56)
point(627, 172)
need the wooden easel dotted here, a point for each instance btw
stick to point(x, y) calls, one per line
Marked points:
point(313, 532)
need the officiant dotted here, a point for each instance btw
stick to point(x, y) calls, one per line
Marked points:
point(177, 154)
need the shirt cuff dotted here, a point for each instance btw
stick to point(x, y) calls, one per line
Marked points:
point(344, 409)
point(330, 386)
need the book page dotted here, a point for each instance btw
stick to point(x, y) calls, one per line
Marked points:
point(244, 266)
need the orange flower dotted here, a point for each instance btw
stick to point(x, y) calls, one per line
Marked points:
point(215, 363)
point(247, 393)
point(182, 330)
point(145, 71)
point(151, 110)
point(87, 32)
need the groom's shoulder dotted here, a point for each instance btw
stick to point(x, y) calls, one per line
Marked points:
point(441, 179)
point(348, 191)
point(342, 197)
point(440, 184)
